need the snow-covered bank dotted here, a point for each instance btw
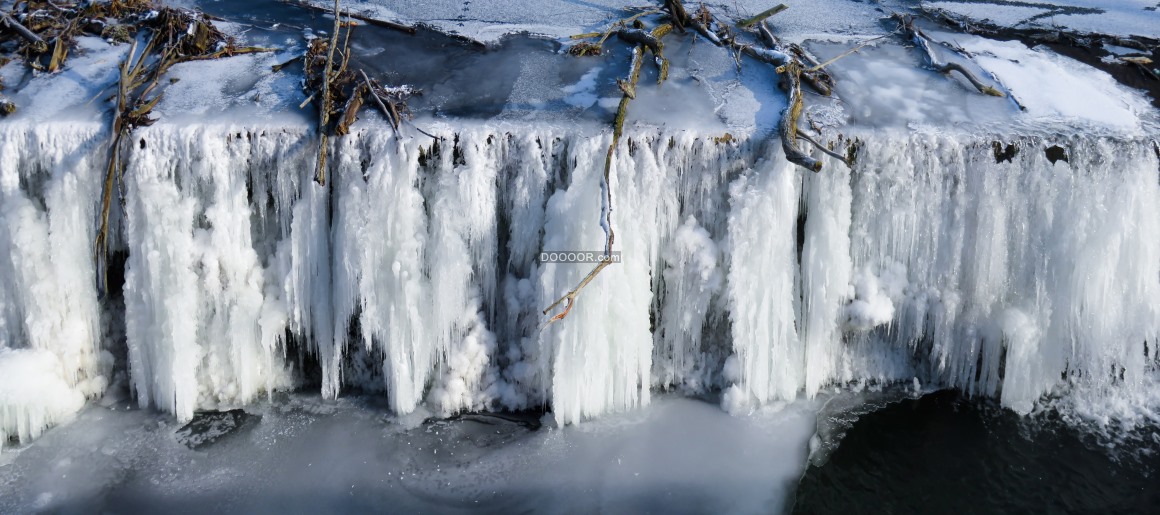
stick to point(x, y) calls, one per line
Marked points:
point(1003, 271)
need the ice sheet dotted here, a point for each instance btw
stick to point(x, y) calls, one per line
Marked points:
point(677, 456)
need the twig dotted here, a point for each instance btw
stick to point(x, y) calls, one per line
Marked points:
point(746, 23)
point(386, 112)
point(819, 146)
point(425, 133)
point(818, 67)
point(570, 297)
point(923, 42)
point(629, 88)
point(230, 52)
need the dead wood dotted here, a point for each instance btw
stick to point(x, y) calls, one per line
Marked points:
point(326, 99)
point(915, 35)
point(746, 23)
point(650, 41)
point(36, 41)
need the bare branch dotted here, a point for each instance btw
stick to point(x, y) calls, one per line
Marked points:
point(746, 23)
point(923, 42)
point(37, 42)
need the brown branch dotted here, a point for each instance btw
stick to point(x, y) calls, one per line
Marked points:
point(584, 48)
point(570, 297)
point(390, 114)
point(325, 104)
point(791, 83)
point(746, 23)
point(641, 37)
point(824, 150)
point(629, 88)
point(350, 110)
point(100, 249)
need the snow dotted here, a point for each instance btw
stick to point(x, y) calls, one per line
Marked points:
point(34, 394)
point(1057, 90)
point(1122, 17)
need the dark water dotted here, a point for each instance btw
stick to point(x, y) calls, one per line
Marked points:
point(456, 77)
point(942, 453)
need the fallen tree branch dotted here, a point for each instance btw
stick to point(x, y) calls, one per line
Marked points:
point(746, 23)
point(824, 149)
point(230, 52)
point(326, 100)
point(787, 127)
point(570, 297)
point(177, 36)
point(815, 76)
point(38, 43)
point(597, 48)
point(629, 89)
point(923, 42)
point(391, 114)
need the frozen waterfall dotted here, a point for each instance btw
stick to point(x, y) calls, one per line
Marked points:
point(416, 272)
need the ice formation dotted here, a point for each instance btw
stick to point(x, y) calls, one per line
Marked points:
point(415, 272)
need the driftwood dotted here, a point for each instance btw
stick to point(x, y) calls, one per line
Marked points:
point(787, 60)
point(916, 36)
point(645, 41)
point(748, 22)
point(597, 48)
point(787, 127)
point(36, 41)
point(327, 101)
point(391, 113)
point(340, 92)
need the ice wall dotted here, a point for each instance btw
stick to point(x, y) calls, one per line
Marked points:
point(48, 303)
point(415, 271)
